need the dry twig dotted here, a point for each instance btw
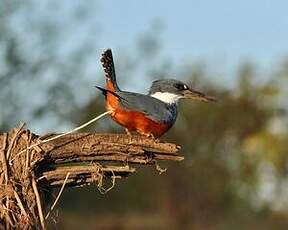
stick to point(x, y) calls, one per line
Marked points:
point(39, 205)
point(58, 196)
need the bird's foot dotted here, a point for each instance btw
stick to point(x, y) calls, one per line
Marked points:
point(151, 136)
point(128, 132)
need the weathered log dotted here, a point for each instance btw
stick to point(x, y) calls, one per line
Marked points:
point(29, 167)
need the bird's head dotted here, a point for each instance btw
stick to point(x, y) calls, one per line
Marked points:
point(170, 91)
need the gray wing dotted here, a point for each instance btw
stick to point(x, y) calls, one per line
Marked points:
point(150, 106)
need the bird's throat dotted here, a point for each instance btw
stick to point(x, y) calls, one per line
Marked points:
point(169, 98)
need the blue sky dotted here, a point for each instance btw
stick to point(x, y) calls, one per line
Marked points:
point(227, 30)
point(222, 33)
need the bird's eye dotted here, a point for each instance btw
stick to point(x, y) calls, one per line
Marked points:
point(181, 86)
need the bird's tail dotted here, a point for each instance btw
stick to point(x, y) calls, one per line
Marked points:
point(109, 69)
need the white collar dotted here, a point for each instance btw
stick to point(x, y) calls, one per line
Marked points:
point(169, 98)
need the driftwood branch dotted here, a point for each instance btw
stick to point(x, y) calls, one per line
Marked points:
point(79, 159)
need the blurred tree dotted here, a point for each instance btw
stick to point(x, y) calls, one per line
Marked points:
point(40, 47)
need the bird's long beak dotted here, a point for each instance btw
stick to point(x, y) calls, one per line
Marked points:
point(196, 95)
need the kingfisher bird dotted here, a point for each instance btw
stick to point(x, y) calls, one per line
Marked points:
point(151, 115)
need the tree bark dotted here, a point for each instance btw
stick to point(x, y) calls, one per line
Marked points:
point(78, 159)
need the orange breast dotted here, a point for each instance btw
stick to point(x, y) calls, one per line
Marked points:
point(133, 121)
point(136, 121)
